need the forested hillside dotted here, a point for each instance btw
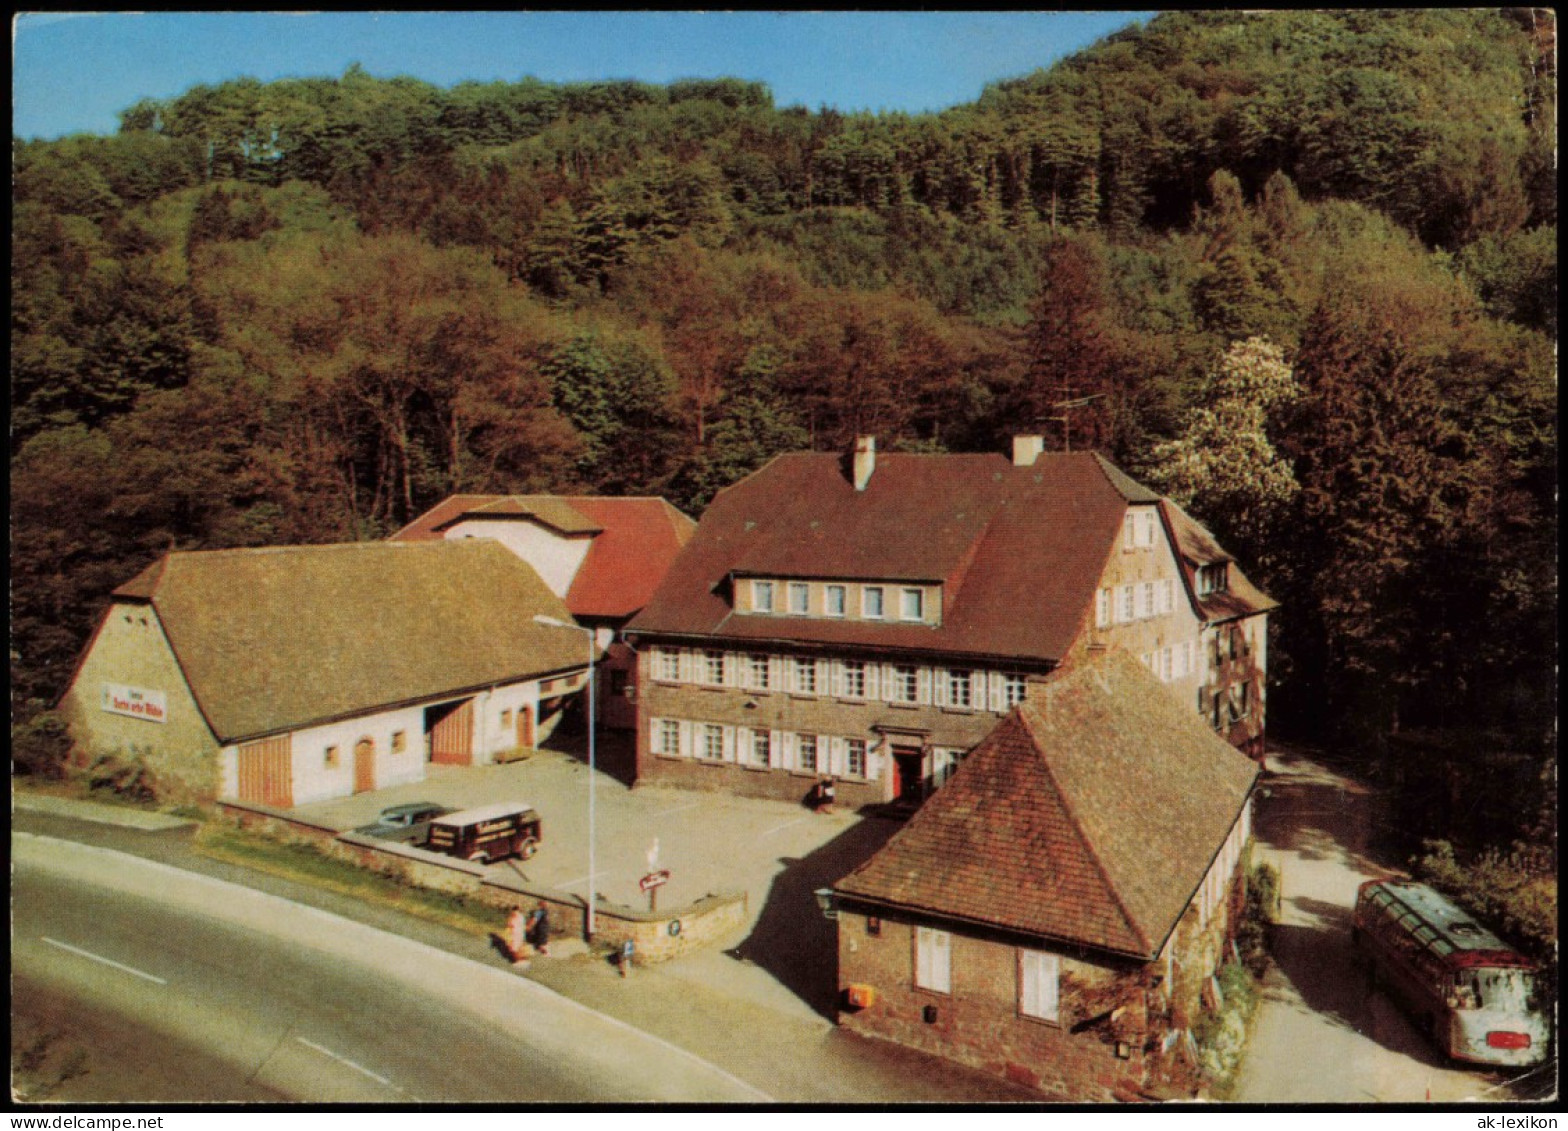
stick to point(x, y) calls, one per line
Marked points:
point(305, 310)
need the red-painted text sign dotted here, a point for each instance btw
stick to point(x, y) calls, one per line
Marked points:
point(653, 880)
point(137, 702)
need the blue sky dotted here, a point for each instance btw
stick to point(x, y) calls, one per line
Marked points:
point(75, 72)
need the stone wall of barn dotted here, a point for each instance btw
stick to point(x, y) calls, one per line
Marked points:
point(130, 652)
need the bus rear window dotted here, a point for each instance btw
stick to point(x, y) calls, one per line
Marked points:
point(1504, 989)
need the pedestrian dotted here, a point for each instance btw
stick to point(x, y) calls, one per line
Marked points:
point(517, 936)
point(825, 794)
point(627, 950)
point(539, 928)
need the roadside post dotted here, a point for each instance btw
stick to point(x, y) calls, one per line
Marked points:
point(651, 883)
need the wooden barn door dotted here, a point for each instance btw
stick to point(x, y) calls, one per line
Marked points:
point(452, 736)
point(525, 726)
point(267, 772)
point(364, 765)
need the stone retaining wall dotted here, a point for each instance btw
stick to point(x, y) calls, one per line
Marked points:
point(655, 937)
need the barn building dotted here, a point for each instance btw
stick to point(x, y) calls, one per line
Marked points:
point(1054, 914)
point(604, 556)
point(294, 674)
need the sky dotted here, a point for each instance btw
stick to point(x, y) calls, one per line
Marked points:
point(74, 72)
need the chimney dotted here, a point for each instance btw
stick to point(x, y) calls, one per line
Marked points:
point(1027, 449)
point(865, 460)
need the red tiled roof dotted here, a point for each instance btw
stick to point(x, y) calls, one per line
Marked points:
point(1018, 548)
point(1090, 815)
point(634, 541)
point(1195, 547)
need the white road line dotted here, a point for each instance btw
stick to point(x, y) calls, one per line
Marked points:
point(785, 825)
point(581, 880)
point(344, 1060)
point(677, 809)
point(105, 961)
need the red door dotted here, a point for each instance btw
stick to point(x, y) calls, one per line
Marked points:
point(525, 726)
point(364, 765)
point(266, 772)
point(452, 736)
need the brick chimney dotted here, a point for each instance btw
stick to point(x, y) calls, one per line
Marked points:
point(865, 461)
point(1027, 449)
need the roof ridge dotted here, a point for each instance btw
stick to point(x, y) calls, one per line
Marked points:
point(1024, 711)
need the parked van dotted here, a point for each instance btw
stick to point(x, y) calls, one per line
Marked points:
point(1473, 994)
point(491, 832)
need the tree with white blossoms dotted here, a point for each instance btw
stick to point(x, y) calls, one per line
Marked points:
point(1224, 467)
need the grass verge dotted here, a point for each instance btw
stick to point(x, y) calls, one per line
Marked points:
point(304, 864)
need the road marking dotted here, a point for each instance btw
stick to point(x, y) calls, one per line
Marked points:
point(785, 825)
point(581, 880)
point(105, 961)
point(382, 1080)
point(677, 809)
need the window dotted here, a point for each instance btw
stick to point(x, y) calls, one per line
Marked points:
point(854, 679)
point(1127, 600)
point(959, 689)
point(799, 598)
point(906, 683)
point(912, 605)
point(833, 601)
point(1146, 605)
point(943, 763)
point(667, 665)
point(762, 596)
point(855, 758)
point(1039, 979)
point(871, 602)
point(1102, 609)
point(399, 741)
point(506, 719)
point(760, 671)
point(712, 741)
point(805, 677)
point(1168, 595)
point(933, 960)
point(806, 752)
point(329, 756)
point(1165, 664)
point(669, 733)
point(1146, 523)
point(713, 667)
point(761, 748)
point(1013, 689)
point(1129, 531)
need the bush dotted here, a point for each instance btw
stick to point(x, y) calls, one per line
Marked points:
point(129, 781)
point(1514, 893)
point(1259, 910)
point(40, 746)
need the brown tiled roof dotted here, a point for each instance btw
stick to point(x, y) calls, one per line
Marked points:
point(274, 639)
point(1090, 815)
point(1195, 547)
point(1018, 548)
point(634, 540)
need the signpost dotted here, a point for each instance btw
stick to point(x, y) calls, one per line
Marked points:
point(651, 883)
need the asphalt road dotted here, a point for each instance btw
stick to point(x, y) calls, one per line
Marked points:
point(1322, 1034)
point(212, 991)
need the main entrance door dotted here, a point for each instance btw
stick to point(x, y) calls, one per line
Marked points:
point(907, 775)
point(364, 765)
point(266, 771)
point(451, 729)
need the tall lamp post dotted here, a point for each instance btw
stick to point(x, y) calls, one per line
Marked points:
point(588, 922)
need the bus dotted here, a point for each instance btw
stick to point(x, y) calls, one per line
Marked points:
point(1473, 994)
point(487, 834)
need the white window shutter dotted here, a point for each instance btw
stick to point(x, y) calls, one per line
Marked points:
point(873, 684)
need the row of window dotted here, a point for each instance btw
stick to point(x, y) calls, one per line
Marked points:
point(909, 684)
point(1174, 662)
point(331, 756)
point(764, 749)
point(1039, 973)
point(1134, 602)
point(1138, 528)
point(1212, 894)
point(877, 602)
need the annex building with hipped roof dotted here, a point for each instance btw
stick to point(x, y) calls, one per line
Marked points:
point(871, 616)
point(1053, 913)
point(292, 674)
point(604, 556)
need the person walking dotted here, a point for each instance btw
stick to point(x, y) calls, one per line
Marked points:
point(517, 936)
point(628, 948)
point(539, 928)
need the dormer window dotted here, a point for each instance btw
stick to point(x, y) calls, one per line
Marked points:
point(762, 596)
point(799, 598)
point(912, 605)
point(833, 601)
point(871, 602)
point(1213, 578)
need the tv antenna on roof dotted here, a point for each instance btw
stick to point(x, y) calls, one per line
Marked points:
point(1066, 417)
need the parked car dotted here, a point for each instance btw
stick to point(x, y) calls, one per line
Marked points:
point(491, 832)
point(408, 823)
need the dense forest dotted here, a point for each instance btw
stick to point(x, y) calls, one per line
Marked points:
point(1301, 268)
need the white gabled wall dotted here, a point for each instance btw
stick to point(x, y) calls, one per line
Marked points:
point(556, 557)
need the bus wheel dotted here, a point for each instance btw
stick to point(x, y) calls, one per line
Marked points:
point(527, 849)
point(479, 858)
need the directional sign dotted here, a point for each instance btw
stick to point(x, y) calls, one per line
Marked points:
point(653, 880)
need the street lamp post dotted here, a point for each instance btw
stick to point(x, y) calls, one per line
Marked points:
point(588, 923)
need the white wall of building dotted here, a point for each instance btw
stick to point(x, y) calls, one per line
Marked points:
point(556, 557)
